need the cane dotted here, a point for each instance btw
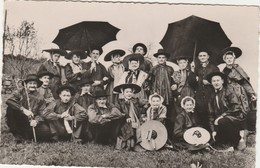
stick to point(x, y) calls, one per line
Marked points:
point(28, 101)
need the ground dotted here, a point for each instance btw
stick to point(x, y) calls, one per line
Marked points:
point(73, 154)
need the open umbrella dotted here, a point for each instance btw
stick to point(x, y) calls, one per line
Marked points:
point(186, 37)
point(86, 35)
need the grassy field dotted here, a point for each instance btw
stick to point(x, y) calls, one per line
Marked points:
point(73, 154)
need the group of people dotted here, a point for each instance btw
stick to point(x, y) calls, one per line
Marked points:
point(84, 101)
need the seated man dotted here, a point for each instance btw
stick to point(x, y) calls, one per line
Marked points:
point(104, 119)
point(226, 115)
point(24, 112)
point(66, 118)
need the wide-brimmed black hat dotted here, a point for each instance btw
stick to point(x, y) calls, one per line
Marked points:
point(32, 77)
point(66, 87)
point(45, 73)
point(140, 45)
point(161, 52)
point(131, 57)
point(100, 93)
point(222, 75)
point(79, 53)
point(56, 50)
point(96, 48)
point(124, 86)
point(237, 51)
point(114, 52)
point(85, 81)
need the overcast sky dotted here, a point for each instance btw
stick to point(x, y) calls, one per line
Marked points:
point(146, 23)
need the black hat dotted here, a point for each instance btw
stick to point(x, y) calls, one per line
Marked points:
point(79, 53)
point(183, 57)
point(114, 52)
point(204, 50)
point(237, 51)
point(161, 52)
point(97, 48)
point(56, 50)
point(222, 75)
point(85, 81)
point(45, 73)
point(135, 87)
point(66, 87)
point(100, 93)
point(130, 57)
point(140, 45)
point(33, 77)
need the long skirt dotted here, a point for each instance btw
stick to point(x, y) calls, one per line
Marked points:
point(19, 125)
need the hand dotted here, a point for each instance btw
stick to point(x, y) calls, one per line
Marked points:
point(197, 78)
point(192, 66)
point(64, 115)
point(69, 118)
point(96, 83)
point(28, 113)
point(216, 121)
point(128, 120)
point(205, 82)
point(83, 71)
point(93, 65)
point(33, 123)
point(104, 116)
point(253, 98)
point(174, 87)
point(214, 133)
point(64, 81)
point(105, 78)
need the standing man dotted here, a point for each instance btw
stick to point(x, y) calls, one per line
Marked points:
point(53, 66)
point(204, 88)
point(140, 48)
point(161, 81)
point(24, 111)
point(98, 72)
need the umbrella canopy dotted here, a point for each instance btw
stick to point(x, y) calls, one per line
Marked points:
point(86, 35)
point(192, 34)
point(150, 143)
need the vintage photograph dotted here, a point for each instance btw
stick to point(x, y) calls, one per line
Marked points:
point(124, 84)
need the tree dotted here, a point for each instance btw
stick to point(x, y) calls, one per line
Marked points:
point(21, 43)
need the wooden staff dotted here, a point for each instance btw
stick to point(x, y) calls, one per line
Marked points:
point(30, 118)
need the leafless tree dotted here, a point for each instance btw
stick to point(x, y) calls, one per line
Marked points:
point(22, 47)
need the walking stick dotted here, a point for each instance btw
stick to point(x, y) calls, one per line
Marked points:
point(68, 128)
point(30, 118)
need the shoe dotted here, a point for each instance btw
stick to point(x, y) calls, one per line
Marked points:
point(241, 145)
point(138, 148)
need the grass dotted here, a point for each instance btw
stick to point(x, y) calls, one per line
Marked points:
point(73, 154)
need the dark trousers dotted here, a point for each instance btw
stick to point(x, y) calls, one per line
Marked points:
point(228, 132)
point(19, 125)
point(105, 133)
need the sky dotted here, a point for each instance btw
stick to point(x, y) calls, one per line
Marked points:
point(146, 23)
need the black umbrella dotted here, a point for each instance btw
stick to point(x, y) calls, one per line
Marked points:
point(86, 35)
point(186, 37)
